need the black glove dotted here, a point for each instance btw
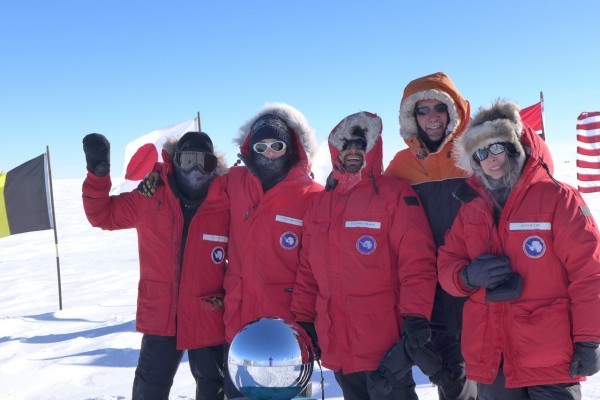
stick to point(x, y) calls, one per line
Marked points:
point(416, 330)
point(97, 154)
point(486, 271)
point(309, 327)
point(586, 359)
point(394, 365)
point(430, 363)
point(147, 186)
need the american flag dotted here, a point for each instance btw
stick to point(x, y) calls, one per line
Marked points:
point(588, 152)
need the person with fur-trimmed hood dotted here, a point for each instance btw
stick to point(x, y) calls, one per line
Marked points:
point(432, 114)
point(525, 251)
point(269, 197)
point(367, 264)
point(182, 238)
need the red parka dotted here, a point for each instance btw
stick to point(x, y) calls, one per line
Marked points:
point(552, 241)
point(173, 299)
point(367, 259)
point(266, 229)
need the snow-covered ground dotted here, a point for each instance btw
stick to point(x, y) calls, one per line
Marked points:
point(89, 349)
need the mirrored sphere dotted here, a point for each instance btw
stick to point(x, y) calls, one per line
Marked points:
point(270, 359)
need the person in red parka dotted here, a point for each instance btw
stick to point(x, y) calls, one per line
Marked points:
point(525, 250)
point(182, 238)
point(367, 263)
point(269, 197)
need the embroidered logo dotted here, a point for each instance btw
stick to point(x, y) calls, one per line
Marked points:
point(217, 255)
point(366, 245)
point(534, 246)
point(289, 240)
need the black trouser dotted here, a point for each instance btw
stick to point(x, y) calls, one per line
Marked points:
point(497, 391)
point(158, 363)
point(448, 348)
point(354, 387)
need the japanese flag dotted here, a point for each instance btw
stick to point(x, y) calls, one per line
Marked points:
point(142, 153)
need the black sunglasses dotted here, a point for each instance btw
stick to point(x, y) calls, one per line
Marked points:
point(494, 148)
point(187, 160)
point(361, 144)
point(424, 110)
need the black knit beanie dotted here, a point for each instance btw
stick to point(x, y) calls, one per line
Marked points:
point(270, 126)
point(198, 141)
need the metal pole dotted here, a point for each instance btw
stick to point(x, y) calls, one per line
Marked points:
point(199, 124)
point(542, 112)
point(54, 225)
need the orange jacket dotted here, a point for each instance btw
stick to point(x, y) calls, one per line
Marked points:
point(434, 175)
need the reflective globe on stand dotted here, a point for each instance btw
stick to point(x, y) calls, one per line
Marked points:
point(270, 359)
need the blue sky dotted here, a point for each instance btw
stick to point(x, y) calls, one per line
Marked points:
point(124, 68)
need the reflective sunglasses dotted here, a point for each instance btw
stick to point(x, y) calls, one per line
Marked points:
point(438, 108)
point(361, 144)
point(187, 160)
point(275, 146)
point(494, 148)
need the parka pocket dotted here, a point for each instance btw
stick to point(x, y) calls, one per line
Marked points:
point(154, 304)
point(277, 300)
point(475, 325)
point(541, 334)
point(372, 323)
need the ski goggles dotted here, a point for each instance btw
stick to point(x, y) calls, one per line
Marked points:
point(275, 146)
point(494, 148)
point(187, 160)
point(361, 144)
point(425, 110)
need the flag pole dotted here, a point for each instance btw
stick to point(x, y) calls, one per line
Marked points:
point(542, 112)
point(54, 225)
point(199, 125)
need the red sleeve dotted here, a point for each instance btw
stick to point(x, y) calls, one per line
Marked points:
point(412, 240)
point(108, 212)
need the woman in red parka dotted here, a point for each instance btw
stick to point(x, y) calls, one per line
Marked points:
point(526, 251)
point(182, 239)
point(269, 196)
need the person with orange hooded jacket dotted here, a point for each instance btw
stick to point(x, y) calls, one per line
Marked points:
point(367, 263)
point(432, 114)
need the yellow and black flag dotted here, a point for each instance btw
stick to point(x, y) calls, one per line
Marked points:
point(25, 202)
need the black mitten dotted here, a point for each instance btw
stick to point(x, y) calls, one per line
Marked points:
point(416, 330)
point(97, 154)
point(486, 271)
point(394, 365)
point(586, 359)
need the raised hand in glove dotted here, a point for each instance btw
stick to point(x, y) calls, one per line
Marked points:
point(97, 154)
point(394, 365)
point(309, 327)
point(586, 359)
point(147, 186)
point(487, 271)
point(416, 330)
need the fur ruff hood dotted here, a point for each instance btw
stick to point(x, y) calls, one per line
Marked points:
point(296, 121)
point(368, 122)
point(439, 87)
point(499, 123)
